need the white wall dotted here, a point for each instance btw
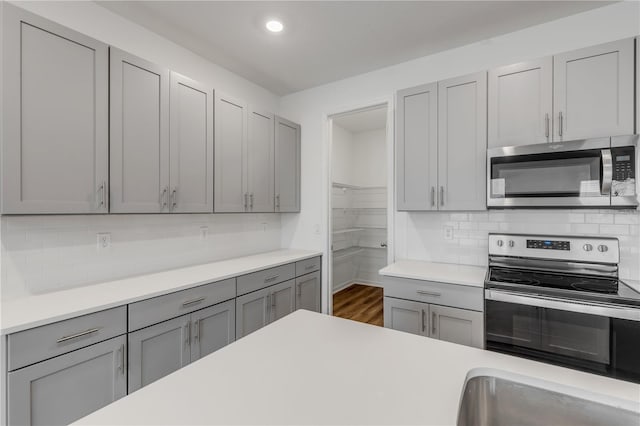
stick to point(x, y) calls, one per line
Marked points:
point(44, 253)
point(370, 158)
point(310, 107)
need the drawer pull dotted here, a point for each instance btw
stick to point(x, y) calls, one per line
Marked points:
point(428, 293)
point(193, 302)
point(80, 334)
point(273, 278)
point(308, 267)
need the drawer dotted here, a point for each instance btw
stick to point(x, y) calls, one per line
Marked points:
point(307, 266)
point(261, 279)
point(157, 309)
point(40, 343)
point(454, 295)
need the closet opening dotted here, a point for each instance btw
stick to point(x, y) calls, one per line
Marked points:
point(358, 212)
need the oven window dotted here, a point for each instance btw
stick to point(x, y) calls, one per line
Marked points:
point(562, 174)
point(512, 324)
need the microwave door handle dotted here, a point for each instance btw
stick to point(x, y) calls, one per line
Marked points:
point(607, 172)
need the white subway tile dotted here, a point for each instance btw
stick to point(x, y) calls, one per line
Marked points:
point(627, 218)
point(614, 230)
point(599, 218)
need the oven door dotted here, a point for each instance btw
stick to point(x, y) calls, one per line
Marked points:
point(576, 173)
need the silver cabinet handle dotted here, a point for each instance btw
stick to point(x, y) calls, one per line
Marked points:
point(174, 198)
point(121, 365)
point(102, 198)
point(76, 335)
point(187, 334)
point(299, 289)
point(433, 323)
point(309, 267)
point(607, 172)
point(246, 202)
point(163, 197)
point(560, 120)
point(428, 293)
point(433, 196)
point(277, 201)
point(423, 318)
point(442, 195)
point(251, 201)
point(273, 301)
point(546, 126)
point(267, 307)
point(383, 245)
point(193, 302)
point(272, 278)
point(196, 331)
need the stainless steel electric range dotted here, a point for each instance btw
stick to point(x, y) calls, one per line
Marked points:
point(559, 300)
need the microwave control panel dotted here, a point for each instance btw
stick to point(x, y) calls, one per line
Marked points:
point(623, 164)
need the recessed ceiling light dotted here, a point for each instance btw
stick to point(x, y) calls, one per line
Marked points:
point(274, 26)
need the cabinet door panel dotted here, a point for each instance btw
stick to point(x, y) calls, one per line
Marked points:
point(230, 147)
point(213, 328)
point(55, 115)
point(308, 292)
point(191, 146)
point(260, 161)
point(457, 325)
point(287, 165)
point(251, 312)
point(520, 100)
point(139, 122)
point(462, 142)
point(593, 90)
point(282, 299)
point(405, 315)
point(417, 148)
point(65, 388)
point(158, 350)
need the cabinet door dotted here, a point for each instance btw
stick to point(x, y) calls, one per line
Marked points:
point(213, 328)
point(230, 146)
point(308, 292)
point(191, 146)
point(252, 312)
point(405, 315)
point(593, 91)
point(158, 350)
point(457, 325)
point(417, 148)
point(55, 117)
point(139, 134)
point(65, 388)
point(260, 161)
point(462, 142)
point(282, 299)
point(520, 103)
point(287, 166)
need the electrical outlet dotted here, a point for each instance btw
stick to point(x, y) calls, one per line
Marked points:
point(264, 226)
point(204, 232)
point(317, 229)
point(448, 232)
point(103, 241)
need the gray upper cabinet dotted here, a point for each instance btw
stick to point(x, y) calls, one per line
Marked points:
point(230, 147)
point(191, 146)
point(417, 148)
point(520, 103)
point(406, 315)
point(308, 292)
point(212, 329)
point(462, 142)
point(139, 135)
point(287, 166)
point(457, 325)
point(593, 91)
point(55, 118)
point(260, 162)
point(63, 389)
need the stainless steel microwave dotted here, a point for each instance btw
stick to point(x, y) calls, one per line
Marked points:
point(600, 172)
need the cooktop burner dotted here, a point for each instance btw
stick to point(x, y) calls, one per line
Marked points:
point(557, 281)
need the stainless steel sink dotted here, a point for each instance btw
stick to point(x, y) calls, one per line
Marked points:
point(495, 397)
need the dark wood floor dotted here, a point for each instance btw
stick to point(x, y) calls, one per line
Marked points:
point(360, 303)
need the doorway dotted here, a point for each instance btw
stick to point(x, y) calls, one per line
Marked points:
point(358, 212)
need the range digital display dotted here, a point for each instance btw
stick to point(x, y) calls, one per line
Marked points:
point(549, 244)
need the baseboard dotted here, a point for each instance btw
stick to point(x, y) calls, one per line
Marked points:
point(352, 282)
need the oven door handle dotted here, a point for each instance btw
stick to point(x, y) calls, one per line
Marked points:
point(602, 310)
point(607, 172)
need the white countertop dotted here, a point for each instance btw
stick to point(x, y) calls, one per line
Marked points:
point(309, 368)
point(433, 271)
point(33, 311)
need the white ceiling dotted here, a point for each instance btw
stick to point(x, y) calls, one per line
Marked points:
point(324, 41)
point(363, 121)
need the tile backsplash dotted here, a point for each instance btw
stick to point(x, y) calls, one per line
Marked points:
point(47, 253)
point(423, 235)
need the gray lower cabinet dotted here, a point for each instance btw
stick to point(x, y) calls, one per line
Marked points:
point(63, 389)
point(259, 308)
point(308, 292)
point(287, 165)
point(282, 300)
point(446, 323)
point(55, 118)
point(164, 348)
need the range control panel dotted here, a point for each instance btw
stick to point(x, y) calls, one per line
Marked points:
point(582, 249)
point(549, 244)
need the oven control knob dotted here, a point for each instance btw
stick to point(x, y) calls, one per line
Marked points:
point(500, 243)
point(602, 248)
point(511, 243)
point(587, 247)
